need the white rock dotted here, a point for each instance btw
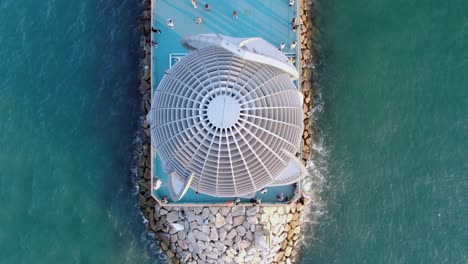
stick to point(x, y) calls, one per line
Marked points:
point(249, 235)
point(211, 255)
point(182, 235)
point(237, 240)
point(238, 210)
point(172, 230)
point(205, 213)
point(264, 218)
point(231, 234)
point(190, 215)
point(220, 246)
point(191, 238)
point(177, 227)
point(246, 225)
point(185, 256)
point(220, 220)
point(274, 220)
point(199, 220)
point(163, 211)
point(280, 210)
point(252, 220)
point(238, 220)
point(200, 235)
point(182, 244)
point(198, 210)
point(250, 250)
point(214, 209)
point(211, 219)
point(229, 219)
point(227, 227)
point(241, 230)
point(226, 258)
point(289, 217)
point(222, 234)
point(228, 242)
point(283, 236)
point(205, 229)
point(214, 234)
point(244, 244)
point(295, 216)
point(252, 210)
point(269, 210)
point(225, 210)
point(172, 217)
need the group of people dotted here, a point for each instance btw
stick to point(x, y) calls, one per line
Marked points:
point(256, 201)
point(280, 197)
point(292, 46)
point(235, 15)
point(199, 20)
point(154, 43)
point(195, 5)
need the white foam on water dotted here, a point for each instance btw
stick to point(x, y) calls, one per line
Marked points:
point(316, 183)
point(147, 238)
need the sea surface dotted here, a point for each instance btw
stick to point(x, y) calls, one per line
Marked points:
point(391, 162)
point(392, 136)
point(68, 116)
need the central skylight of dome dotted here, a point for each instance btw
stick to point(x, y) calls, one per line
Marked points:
point(223, 111)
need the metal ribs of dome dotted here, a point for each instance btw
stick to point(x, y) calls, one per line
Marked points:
point(231, 123)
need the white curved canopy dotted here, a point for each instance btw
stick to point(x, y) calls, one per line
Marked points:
point(227, 118)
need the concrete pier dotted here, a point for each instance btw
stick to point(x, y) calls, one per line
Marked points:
point(225, 234)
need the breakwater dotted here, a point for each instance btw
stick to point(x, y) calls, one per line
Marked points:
point(224, 234)
point(228, 234)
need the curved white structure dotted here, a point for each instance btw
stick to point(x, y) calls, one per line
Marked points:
point(227, 119)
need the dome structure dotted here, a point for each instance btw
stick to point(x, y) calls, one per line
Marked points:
point(227, 119)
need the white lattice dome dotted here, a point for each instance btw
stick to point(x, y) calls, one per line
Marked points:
point(227, 119)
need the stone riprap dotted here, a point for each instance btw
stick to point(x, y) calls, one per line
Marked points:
point(308, 34)
point(227, 234)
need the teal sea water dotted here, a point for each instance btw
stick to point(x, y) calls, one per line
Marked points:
point(392, 142)
point(68, 117)
point(393, 132)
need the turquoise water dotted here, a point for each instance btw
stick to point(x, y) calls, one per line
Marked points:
point(68, 115)
point(393, 132)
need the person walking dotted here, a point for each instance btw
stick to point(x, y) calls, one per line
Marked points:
point(207, 7)
point(198, 20)
point(235, 14)
point(156, 30)
point(282, 46)
point(170, 23)
point(293, 45)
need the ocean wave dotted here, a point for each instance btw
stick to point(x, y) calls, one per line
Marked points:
point(147, 238)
